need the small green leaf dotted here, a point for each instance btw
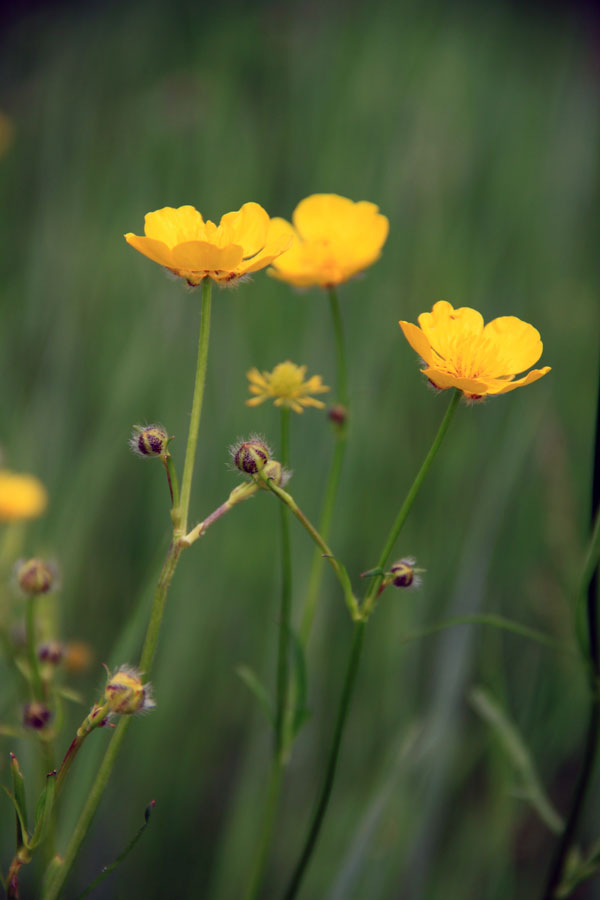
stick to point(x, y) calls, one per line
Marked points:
point(44, 810)
point(372, 573)
point(518, 753)
point(19, 794)
point(19, 813)
point(108, 869)
point(253, 683)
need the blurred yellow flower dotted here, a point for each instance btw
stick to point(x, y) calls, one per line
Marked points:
point(333, 239)
point(286, 385)
point(460, 352)
point(21, 497)
point(179, 239)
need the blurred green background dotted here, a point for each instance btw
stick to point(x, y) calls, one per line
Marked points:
point(475, 129)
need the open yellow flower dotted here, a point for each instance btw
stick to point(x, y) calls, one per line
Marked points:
point(286, 385)
point(21, 497)
point(179, 239)
point(460, 352)
point(333, 239)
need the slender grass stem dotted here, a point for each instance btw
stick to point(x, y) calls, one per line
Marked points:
point(588, 593)
point(180, 516)
point(406, 507)
point(190, 453)
point(317, 819)
point(36, 679)
point(285, 612)
point(335, 471)
point(271, 804)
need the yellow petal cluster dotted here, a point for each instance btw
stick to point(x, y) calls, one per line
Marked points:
point(21, 497)
point(179, 239)
point(286, 386)
point(459, 351)
point(333, 239)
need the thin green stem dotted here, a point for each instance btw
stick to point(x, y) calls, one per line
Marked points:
point(271, 804)
point(406, 507)
point(337, 567)
point(172, 479)
point(321, 808)
point(340, 351)
point(190, 453)
point(283, 647)
point(36, 679)
point(180, 516)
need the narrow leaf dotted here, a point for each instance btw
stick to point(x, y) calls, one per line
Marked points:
point(111, 868)
point(19, 793)
point(518, 753)
point(493, 621)
point(253, 683)
point(17, 810)
point(44, 811)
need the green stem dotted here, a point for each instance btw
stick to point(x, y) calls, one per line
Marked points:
point(317, 819)
point(339, 570)
point(286, 600)
point(271, 804)
point(172, 479)
point(340, 352)
point(36, 679)
point(190, 452)
point(369, 601)
point(180, 516)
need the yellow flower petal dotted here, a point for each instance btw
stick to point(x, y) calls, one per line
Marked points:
point(248, 227)
point(21, 497)
point(418, 341)
point(202, 257)
point(443, 380)
point(500, 387)
point(153, 249)
point(286, 386)
point(518, 344)
point(174, 226)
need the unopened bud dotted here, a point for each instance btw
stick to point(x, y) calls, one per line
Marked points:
point(36, 715)
point(36, 576)
point(403, 573)
point(276, 473)
point(51, 652)
point(125, 694)
point(251, 456)
point(149, 441)
point(338, 414)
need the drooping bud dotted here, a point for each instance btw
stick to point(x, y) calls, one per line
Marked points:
point(149, 441)
point(125, 694)
point(36, 576)
point(276, 473)
point(36, 715)
point(338, 414)
point(51, 652)
point(251, 456)
point(403, 573)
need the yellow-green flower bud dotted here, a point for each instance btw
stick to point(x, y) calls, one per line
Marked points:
point(152, 440)
point(36, 715)
point(275, 472)
point(251, 456)
point(36, 576)
point(125, 694)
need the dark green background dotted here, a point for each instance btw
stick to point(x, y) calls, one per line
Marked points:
point(475, 129)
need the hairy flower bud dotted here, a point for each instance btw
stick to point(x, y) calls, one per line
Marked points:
point(36, 576)
point(36, 715)
point(125, 694)
point(251, 456)
point(51, 652)
point(403, 573)
point(276, 473)
point(152, 440)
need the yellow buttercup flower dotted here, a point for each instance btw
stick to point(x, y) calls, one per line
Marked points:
point(286, 385)
point(179, 239)
point(460, 352)
point(21, 497)
point(333, 239)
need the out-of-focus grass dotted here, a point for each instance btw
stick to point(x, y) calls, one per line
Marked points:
point(476, 133)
